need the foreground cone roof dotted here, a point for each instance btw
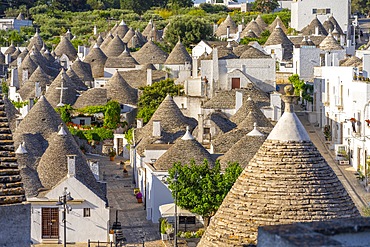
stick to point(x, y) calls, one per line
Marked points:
point(286, 181)
point(65, 47)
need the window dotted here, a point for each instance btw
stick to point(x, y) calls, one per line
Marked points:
point(87, 212)
point(207, 131)
point(82, 121)
point(314, 11)
point(321, 11)
point(272, 51)
point(186, 219)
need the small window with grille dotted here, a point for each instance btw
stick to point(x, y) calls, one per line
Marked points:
point(87, 212)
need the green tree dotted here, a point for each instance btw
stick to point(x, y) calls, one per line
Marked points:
point(360, 6)
point(138, 6)
point(201, 189)
point(112, 115)
point(265, 6)
point(180, 3)
point(301, 88)
point(153, 96)
point(65, 113)
point(190, 29)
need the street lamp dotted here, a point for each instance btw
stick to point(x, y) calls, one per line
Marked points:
point(62, 201)
point(175, 234)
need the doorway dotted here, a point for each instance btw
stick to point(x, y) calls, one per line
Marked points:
point(50, 223)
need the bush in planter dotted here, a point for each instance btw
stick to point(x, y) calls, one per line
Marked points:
point(139, 195)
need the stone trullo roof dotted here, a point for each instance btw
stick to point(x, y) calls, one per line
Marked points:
point(178, 55)
point(261, 23)
point(253, 25)
point(118, 89)
point(28, 89)
point(28, 64)
point(250, 106)
point(138, 78)
point(124, 60)
point(138, 40)
point(65, 47)
point(150, 53)
point(61, 90)
point(53, 168)
point(11, 186)
point(121, 30)
point(277, 21)
point(2, 58)
point(10, 50)
point(115, 47)
point(92, 97)
point(278, 37)
point(300, 187)
point(243, 150)
point(99, 40)
point(83, 70)
point(311, 28)
point(36, 41)
point(48, 56)
point(106, 41)
point(69, 35)
point(79, 85)
point(148, 28)
point(330, 44)
point(253, 53)
point(184, 150)
point(11, 112)
point(222, 28)
point(328, 25)
point(250, 34)
point(15, 54)
point(336, 24)
point(173, 124)
point(128, 36)
point(96, 58)
point(221, 100)
point(352, 61)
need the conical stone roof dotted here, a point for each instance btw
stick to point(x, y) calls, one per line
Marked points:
point(15, 54)
point(96, 58)
point(62, 84)
point(148, 28)
point(48, 56)
point(106, 41)
point(250, 34)
point(28, 89)
point(184, 151)
point(128, 36)
point(36, 41)
point(41, 119)
point(328, 25)
point(286, 181)
point(261, 23)
point(115, 47)
point(2, 58)
point(53, 167)
point(11, 186)
point(121, 29)
point(247, 107)
point(28, 64)
point(65, 47)
point(352, 61)
point(253, 25)
point(311, 28)
point(79, 85)
point(253, 53)
point(173, 124)
point(336, 25)
point(10, 50)
point(92, 97)
point(125, 60)
point(99, 40)
point(83, 70)
point(222, 29)
point(118, 89)
point(276, 22)
point(278, 37)
point(150, 53)
point(330, 44)
point(11, 112)
point(179, 55)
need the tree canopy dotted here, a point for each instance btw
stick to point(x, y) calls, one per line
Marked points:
point(153, 96)
point(112, 115)
point(200, 188)
point(361, 6)
point(190, 29)
point(265, 6)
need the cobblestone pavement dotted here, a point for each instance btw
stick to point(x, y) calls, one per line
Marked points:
point(345, 173)
point(131, 214)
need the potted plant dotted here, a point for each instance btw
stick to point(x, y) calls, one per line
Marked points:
point(166, 229)
point(112, 153)
point(136, 190)
point(139, 197)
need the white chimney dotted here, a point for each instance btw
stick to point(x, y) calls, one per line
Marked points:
point(316, 31)
point(139, 123)
point(95, 30)
point(30, 103)
point(366, 65)
point(71, 160)
point(7, 59)
point(200, 128)
point(228, 32)
point(149, 77)
point(195, 67)
point(24, 75)
point(14, 78)
point(157, 128)
point(18, 120)
point(240, 28)
point(37, 89)
point(19, 61)
point(214, 28)
point(238, 100)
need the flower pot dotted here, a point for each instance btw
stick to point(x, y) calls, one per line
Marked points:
point(111, 158)
point(139, 200)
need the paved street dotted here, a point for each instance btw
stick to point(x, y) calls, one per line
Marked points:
point(345, 173)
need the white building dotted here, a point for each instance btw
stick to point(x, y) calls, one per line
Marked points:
point(342, 97)
point(14, 23)
point(303, 11)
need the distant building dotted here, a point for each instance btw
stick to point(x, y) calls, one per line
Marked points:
point(14, 23)
point(305, 10)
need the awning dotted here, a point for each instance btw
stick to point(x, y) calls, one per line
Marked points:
point(168, 210)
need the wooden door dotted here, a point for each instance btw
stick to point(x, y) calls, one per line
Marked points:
point(235, 83)
point(50, 223)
